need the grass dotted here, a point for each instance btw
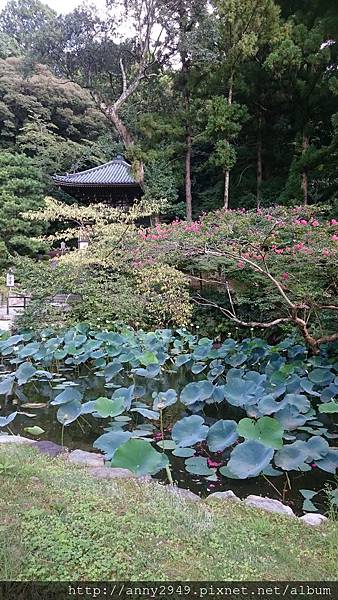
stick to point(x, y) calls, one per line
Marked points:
point(59, 523)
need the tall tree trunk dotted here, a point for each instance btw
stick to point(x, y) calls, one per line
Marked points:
point(305, 182)
point(259, 161)
point(187, 165)
point(227, 171)
point(186, 103)
point(126, 138)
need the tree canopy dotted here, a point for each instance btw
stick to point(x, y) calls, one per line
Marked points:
point(235, 103)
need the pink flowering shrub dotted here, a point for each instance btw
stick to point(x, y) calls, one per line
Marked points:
point(277, 264)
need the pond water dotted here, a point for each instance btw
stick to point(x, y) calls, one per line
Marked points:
point(32, 401)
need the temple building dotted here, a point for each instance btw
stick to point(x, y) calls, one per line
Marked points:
point(112, 183)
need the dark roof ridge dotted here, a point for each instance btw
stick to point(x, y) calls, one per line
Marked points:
point(118, 159)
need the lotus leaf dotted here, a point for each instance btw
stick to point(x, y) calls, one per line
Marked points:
point(6, 385)
point(146, 412)
point(150, 372)
point(184, 452)
point(67, 413)
point(196, 392)
point(266, 430)
point(166, 444)
point(148, 358)
point(239, 392)
point(268, 405)
point(307, 386)
point(182, 359)
point(108, 407)
point(35, 430)
point(249, 459)
point(321, 376)
point(109, 442)
point(290, 418)
point(4, 421)
point(112, 369)
point(127, 394)
point(189, 431)
point(24, 372)
point(227, 473)
point(317, 447)
point(222, 434)
point(198, 368)
point(292, 456)
point(139, 457)
point(330, 462)
point(88, 407)
point(198, 465)
point(329, 393)
point(299, 401)
point(330, 407)
point(70, 394)
point(165, 399)
point(237, 359)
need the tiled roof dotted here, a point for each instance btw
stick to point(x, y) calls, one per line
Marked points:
point(115, 172)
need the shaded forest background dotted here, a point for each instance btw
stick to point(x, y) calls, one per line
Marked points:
point(230, 103)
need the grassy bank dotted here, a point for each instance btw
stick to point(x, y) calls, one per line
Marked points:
point(58, 523)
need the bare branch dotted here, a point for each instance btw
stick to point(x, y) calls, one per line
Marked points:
point(124, 77)
point(252, 324)
point(276, 283)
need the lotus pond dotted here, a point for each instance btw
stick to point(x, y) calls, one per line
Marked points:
point(244, 416)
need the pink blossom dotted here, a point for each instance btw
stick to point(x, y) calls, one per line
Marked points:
point(333, 222)
point(335, 237)
point(326, 252)
point(213, 463)
point(315, 223)
point(240, 264)
point(285, 275)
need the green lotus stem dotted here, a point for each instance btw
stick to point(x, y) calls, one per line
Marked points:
point(272, 485)
point(169, 475)
point(168, 471)
point(161, 427)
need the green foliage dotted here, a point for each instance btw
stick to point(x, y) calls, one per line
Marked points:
point(61, 539)
point(26, 20)
point(273, 385)
point(263, 262)
point(139, 457)
point(22, 189)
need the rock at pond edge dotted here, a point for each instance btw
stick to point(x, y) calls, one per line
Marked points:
point(228, 495)
point(269, 505)
point(182, 493)
point(49, 448)
point(15, 439)
point(89, 459)
point(110, 473)
point(314, 520)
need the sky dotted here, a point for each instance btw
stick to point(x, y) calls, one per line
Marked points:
point(65, 6)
